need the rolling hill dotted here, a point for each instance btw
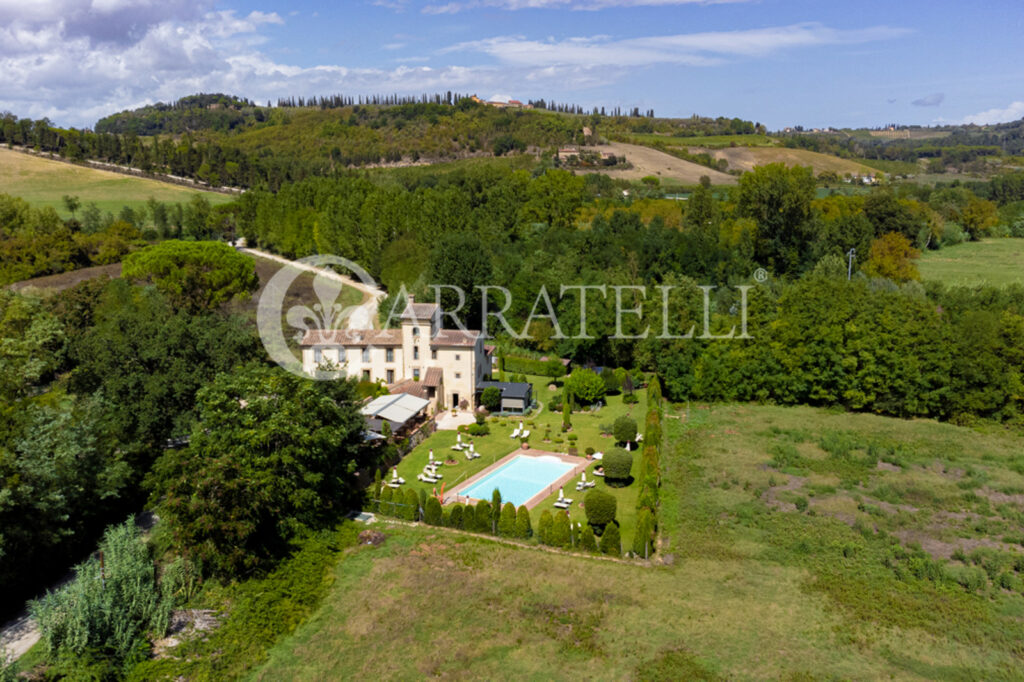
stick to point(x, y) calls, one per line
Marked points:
point(43, 182)
point(745, 158)
point(647, 161)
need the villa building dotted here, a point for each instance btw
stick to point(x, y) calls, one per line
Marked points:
point(443, 366)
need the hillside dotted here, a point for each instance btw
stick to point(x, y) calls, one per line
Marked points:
point(668, 168)
point(44, 182)
point(745, 158)
point(858, 546)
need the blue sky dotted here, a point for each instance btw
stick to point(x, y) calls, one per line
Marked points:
point(780, 62)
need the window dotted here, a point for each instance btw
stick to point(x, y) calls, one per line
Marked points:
point(341, 354)
point(318, 355)
point(457, 357)
point(389, 355)
point(391, 376)
point(433, 354)
point(366, 375)
point(415, 331)
point(416, 374)
point(458, 375)
point(366, 355)
point(415, 352)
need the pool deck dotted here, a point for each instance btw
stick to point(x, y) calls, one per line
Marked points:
point(579, 464)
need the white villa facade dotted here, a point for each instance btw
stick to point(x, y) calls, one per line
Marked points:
point(441, 365)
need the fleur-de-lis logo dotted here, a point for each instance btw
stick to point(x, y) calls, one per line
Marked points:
point(327, 313)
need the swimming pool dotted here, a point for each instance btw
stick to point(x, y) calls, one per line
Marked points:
point(519, 479)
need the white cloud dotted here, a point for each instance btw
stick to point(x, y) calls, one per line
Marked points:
point(691, 49)
point(592, 5)
point(1011, 113)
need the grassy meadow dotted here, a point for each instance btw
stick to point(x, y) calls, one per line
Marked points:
point(989, 261)
point(797, 543)
point(44, 182)
point(714, 141)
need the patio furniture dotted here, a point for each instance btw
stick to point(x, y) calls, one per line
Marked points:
point(395, 478)
point(427, 479)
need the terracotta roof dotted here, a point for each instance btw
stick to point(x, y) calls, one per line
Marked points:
point(455, 337)
point(433, 376)
point(420, 312)
point(409, 386)
point(352, 337)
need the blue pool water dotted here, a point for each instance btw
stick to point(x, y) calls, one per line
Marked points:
point(519, 479)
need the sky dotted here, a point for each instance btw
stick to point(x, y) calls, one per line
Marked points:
point(814, 63)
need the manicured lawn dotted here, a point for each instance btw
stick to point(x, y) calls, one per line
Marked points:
point(585, 424)
point(990, 261)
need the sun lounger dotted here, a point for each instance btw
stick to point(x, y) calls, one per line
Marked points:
point(427, 479)
point(432, 473)
point(394, 484)
point(563, 503)
point(525, 434)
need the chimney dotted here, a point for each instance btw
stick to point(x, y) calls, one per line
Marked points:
point(412, 299)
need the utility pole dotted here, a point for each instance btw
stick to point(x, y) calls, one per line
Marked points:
point(851, 254)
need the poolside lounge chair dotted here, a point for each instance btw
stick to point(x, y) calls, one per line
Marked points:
point(394, 484)
point(395, 478)
point(525, 434)
point(432, 472)
point(598, 473)
point(515, 434)
point(563, 502)
point(427, 479)
point(598, 455)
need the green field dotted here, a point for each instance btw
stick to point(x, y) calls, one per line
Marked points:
point(990, 261)
point(892, 167)
point(43, 182)
point(904, 563)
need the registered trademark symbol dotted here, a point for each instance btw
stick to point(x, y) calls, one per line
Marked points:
point(760, 275)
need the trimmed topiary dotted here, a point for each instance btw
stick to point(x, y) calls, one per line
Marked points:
point(375, 502)
point(611, 542)
point(560, 533)
point(432, 512)
point(588, 541)
point(624, 429)
point(455, 517)
point(495, 511)
point(523, 527)
point(507, 521)
point(643, 538)
point(600, 508)
point(544, 527)
point(482, 523)
point(411, 511)
point(385, 507)
point(618, 464)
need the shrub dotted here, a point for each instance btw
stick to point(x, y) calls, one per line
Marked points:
point(617, 466)
point(643, 538)
point(585, 387)
point(589, 451)
point(588, 542)
point(652, 429)
point(555, 404)
point(411, 511)
point(560, 532)
point(611, 542)
point(572, 437)
point(482, 523)
point(523, 529)
point(600, 507)
point(612, 383)
point(624, 429)
point(507, 521)
point(654, 392)
point(455, 518)
point(630, 399)
point(495, 510)
point(544, 527)
point(432, 512)
point(478, 429)
point(480, 417)
point(566, 418)
point(491, 398)
point(375, 502)
point(386, 507)
point(801, 503)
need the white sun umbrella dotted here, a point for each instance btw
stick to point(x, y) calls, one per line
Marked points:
point(583, 476)
point(561, 494)
point(458, 439)
point(394, 474)
point(431, 456)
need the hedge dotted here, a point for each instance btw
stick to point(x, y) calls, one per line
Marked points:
point(432, 512)
point(618, 464)
point(611, 542)
point(507, 521)
point(520, 365)
point(523, 527)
